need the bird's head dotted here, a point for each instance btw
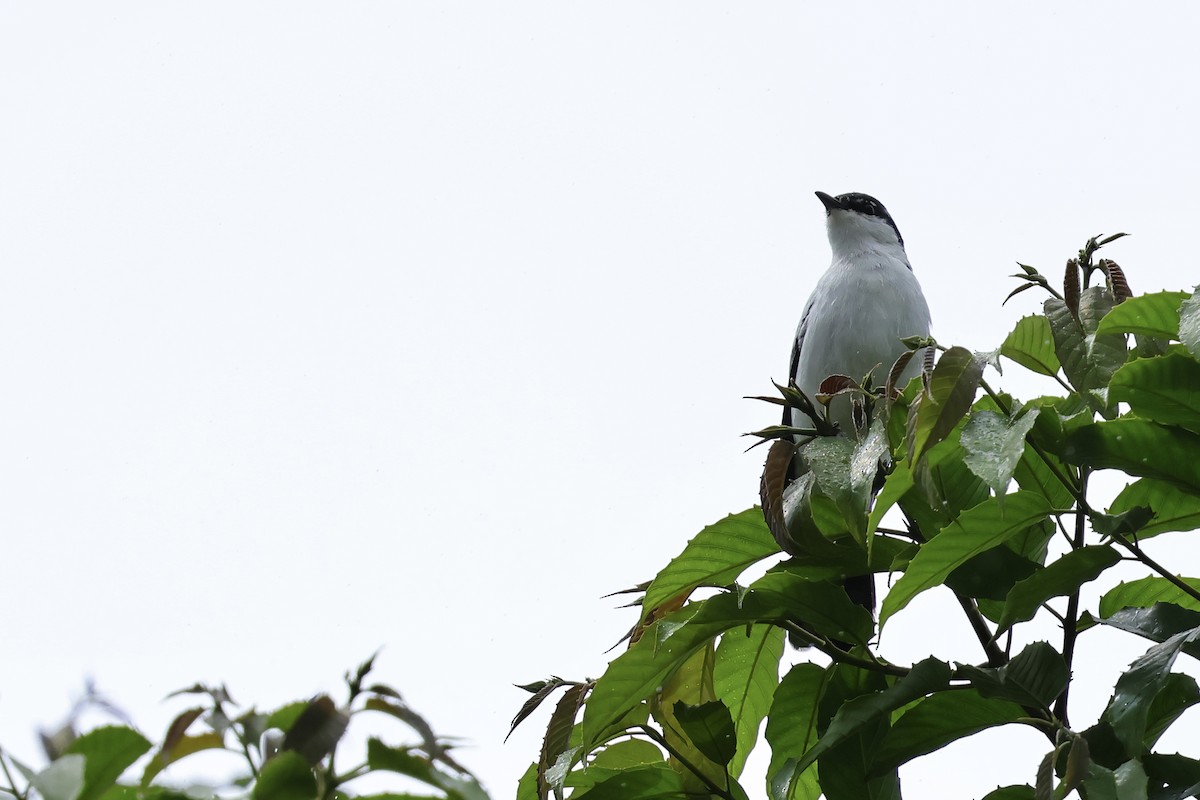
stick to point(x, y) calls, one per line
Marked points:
point(858, 222)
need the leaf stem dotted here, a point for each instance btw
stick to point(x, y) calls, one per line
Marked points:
point(8, 775)
point(662, 740)
point(1141, 556)
point(1070, 623)
point(839, 655)
point(995, 656)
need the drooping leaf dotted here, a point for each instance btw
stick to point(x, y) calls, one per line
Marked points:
point(994, 445)
point(1078, 762)
point(636, 673)
point(744, 678)
point(939, 720)
point(1174, 509)
point(1189, 324)
point(406, 762)
point(1129, 710)
point(691, 684)
point(991, 574)
point(287, 776)
point(653, 782)
point(1138, 447)
point(714, 557)
point(1035, 677)
point(540, 690)
point(947, 399)
point(1179, 693)
point(558, 735)
point(792, 730)
point(777, 470)
point(1154, 315)
point(109, 751)
point(1162, 389)
point(710, 727)
point(1177, 774)
point(1061, 578)
point(1032, 346)
point(844, 771)
point(184, 746)
point(1145, 592)
point(926, 677)
point(1157, 623)
point(980, 528)
point(829, 459)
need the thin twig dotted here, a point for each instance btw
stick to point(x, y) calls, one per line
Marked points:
point(839, 655)
point(1141, 556)
point(662, 740)
point(987, 639)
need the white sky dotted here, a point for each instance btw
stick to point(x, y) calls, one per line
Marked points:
point(423, 325)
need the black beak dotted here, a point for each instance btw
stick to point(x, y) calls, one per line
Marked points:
point(831, 203)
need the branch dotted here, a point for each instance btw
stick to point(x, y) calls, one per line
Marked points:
point(1071, 622)
point(1141, 556)
point(995, 656)
point(839, 655)
point(662, 740)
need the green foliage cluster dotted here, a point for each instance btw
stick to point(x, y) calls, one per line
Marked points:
point(285, 754)
point(994, 497)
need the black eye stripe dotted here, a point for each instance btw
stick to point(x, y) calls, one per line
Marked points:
point(865, 204)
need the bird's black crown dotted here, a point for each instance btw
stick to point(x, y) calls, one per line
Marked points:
point(865, 204)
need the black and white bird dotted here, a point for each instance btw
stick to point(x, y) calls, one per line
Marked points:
point(860, 309)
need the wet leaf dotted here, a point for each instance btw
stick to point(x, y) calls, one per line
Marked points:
point(184, 746)
point(1154, 315)
point(285, 777)
point(1032, 345)
point(558, 736)
point(1138, 447)
point(1062, 577)
point(976, 530)
point(792, 729)
point(1128, 711)
point(949, 396)
point(745, 675)
point(1163, 389)
point(1087, 360)
point(1189, 324)
point(994, 444)
point(62, 779)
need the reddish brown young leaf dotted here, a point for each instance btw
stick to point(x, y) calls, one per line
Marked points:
point(770, 489)
point(558, 733)
point(177, 729)
point(1071, 287)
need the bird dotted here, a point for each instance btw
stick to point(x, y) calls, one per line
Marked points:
point(860, 309)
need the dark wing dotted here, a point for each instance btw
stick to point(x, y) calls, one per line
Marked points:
point(794, 368)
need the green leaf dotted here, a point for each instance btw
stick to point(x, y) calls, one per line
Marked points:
point(744, 678)
point(287, 776)
point(1189, 324)
point(1088, 360)
point(1019, 791)
point(926, 677)
point(1129, 710)
point(1163, 389)
point(1138, 447)
point(1178, 695)
point(1174, 509)
point(947, 399)
point(991, 574)
point(714, 557)
point(109, 752)
point(1157, 623)
point(1035, 677)
point(184, 746)
point(843, 771)
point(626, 754)
point(1175, 773)
point(405, 762)
point(62, 779)
point(939, 720)
point(635, 674)
point(829, 459)
point(710, 727)
point(1032, 346)
point(1145, 592)
point(654, 782)
point(1063, 577)
point(994, 445)
point(1154, 314)
point(558, 735)
point(792, 731)
point(977, 529)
